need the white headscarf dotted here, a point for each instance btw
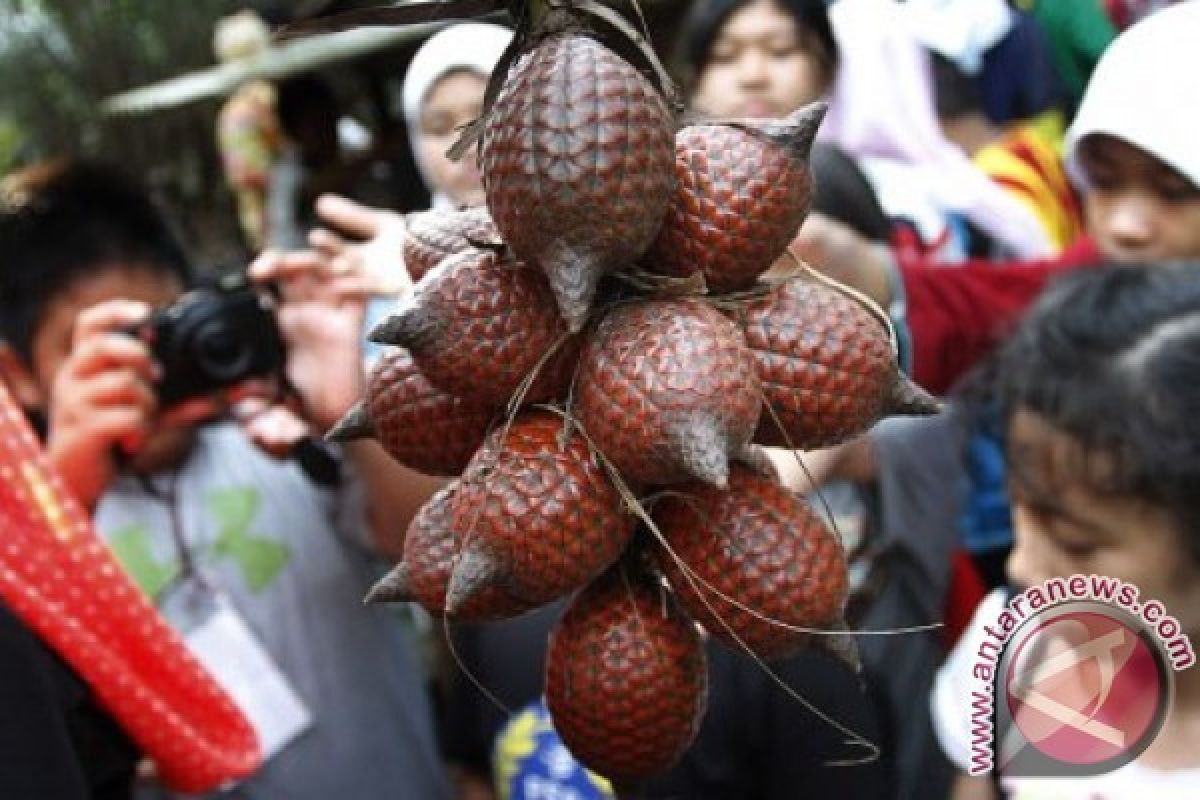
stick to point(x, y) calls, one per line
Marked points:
point(1146, 90)
point(476, 46)
point(882, 107)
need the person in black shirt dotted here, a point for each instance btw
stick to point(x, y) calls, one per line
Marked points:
point(56, 742)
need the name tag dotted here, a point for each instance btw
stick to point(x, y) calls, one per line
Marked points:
point(222, 641)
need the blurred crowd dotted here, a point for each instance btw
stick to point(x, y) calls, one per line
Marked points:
point(1017, 184)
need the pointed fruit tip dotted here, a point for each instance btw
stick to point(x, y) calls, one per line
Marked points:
point(798, 130)
point(402, 329)
point(356, 424)
point(910, 399)
point(807, 121)
point(573, 280)
point(391, 588)
point(703, 450)
point(475, 571)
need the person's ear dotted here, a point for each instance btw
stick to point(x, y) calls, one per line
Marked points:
point(19, 379)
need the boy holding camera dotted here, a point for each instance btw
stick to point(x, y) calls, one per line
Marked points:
point(260, 567)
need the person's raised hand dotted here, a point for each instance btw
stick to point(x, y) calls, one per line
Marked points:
point(375, 255)
point(320, 316)
point(102, 398)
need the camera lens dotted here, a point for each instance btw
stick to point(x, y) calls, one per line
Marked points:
point(221, 353)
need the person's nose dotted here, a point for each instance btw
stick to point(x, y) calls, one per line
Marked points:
point(1030, 562)
point(752, 68)
point(1132, 222)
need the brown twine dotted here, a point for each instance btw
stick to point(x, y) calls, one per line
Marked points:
point(494, 455)
point(652, 283)
point(631, 502)
point(861, 297)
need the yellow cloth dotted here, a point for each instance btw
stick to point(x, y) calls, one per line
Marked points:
point(1027, 161)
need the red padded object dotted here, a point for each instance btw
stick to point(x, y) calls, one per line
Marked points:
point(61, 579)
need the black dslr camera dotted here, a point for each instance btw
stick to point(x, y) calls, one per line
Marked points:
point(213, 338)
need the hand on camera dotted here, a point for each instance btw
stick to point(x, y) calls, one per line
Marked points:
point(103, 399)
point(322, 333)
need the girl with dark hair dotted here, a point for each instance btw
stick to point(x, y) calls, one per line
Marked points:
point(766, 58)
point(757, 59)
point(1100, 410)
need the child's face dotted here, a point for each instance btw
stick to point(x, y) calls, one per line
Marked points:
point(53, 339)
point(453, 102)
point(758, 66)
point(1138, 208)
point(1063, 527)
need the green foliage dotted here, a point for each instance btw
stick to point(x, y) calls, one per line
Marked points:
point(60, 58)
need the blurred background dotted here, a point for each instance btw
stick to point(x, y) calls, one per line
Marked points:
point(61, 59)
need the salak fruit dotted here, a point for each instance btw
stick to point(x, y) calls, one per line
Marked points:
point(537, 514)
point(431, 552)
point(478, 326)
point(760, 545)
point(577, 160)
point(827, 366)
point(626, 677)
point(742, 191)
point(419, 425)
point(440, 233)
point(667, 391)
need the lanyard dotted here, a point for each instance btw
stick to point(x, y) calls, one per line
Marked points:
point(169, 495)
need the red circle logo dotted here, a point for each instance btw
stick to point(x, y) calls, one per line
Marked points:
point(1085, 688)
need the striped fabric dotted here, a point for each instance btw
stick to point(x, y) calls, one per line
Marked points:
point(1028, 163)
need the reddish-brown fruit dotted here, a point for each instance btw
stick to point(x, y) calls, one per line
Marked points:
point(537, 514)
point(667, 391)
point(419, 425)
point(626, 678)
point(431, 551)
point(827, 366)
point(741, 192)
point(478, 325)
point(438, 234)
point(759, 544)
point(577, 161)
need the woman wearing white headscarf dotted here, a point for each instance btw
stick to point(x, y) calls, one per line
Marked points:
point(1132, 149)
point(443, 90)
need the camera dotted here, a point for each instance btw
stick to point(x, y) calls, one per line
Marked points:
point(213, 338)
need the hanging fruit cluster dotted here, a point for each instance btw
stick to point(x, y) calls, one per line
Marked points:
point(599, 334)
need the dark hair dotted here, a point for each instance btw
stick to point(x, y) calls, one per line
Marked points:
point(956, 93)
point(1110, 356)
point(61, 220)
point(706, 17)
point(841, 191)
